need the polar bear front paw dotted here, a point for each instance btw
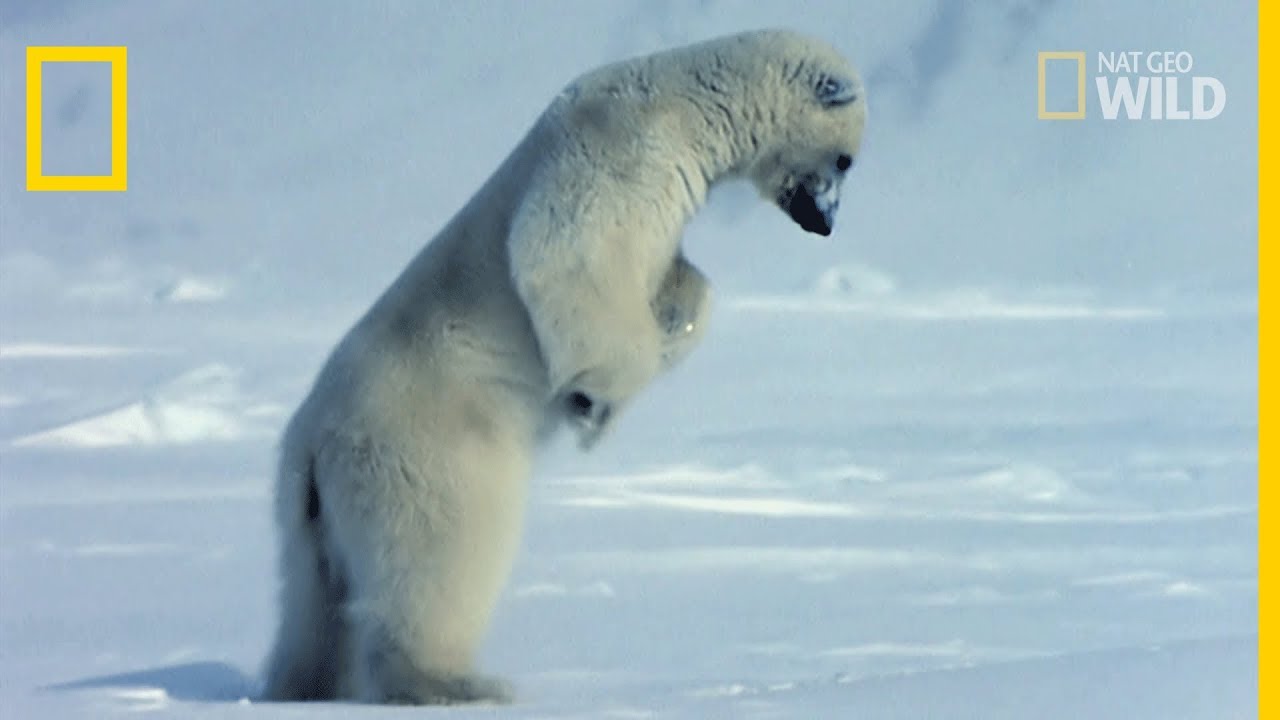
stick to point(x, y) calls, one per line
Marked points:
point(680, 309)
point(588, 416)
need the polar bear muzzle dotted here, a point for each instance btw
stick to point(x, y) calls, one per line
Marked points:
point(812, 202)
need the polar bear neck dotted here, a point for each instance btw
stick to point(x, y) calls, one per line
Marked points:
point(714, 108)
point(723, 100)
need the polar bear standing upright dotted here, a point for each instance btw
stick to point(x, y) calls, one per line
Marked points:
point(556, 294)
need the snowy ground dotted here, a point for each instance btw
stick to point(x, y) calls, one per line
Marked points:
point(989, 452)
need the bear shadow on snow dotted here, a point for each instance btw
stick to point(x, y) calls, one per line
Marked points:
point(201, 682)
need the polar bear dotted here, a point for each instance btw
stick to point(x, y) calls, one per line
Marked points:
point(553, 297)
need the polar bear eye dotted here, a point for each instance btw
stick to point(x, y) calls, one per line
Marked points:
point(833, 91)
point(844, 162)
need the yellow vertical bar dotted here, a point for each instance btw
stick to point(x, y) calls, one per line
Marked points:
point(1080, 86)
point(120, 120)
point(35, 161)
point(1041, 108)
point(1267, 705)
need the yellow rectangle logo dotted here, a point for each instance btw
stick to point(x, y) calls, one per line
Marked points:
point(1078, 113)
point(117, 181)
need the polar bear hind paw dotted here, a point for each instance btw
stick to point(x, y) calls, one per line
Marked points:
point(450, 690)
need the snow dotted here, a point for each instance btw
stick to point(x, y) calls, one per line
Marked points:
point(989, 451)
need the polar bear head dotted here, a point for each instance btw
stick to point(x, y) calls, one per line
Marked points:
point(820, 108)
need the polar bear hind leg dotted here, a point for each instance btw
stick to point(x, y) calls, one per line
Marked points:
point(426, 562)
point(308, 660)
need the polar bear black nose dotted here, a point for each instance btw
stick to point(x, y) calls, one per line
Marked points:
point(844, 162)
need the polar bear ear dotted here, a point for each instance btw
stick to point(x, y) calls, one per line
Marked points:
point(834, 91)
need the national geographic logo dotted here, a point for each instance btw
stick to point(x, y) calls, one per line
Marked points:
point(117, 180)
point(1131, 84)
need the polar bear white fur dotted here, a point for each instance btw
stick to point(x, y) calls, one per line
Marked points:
point(556, 294)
